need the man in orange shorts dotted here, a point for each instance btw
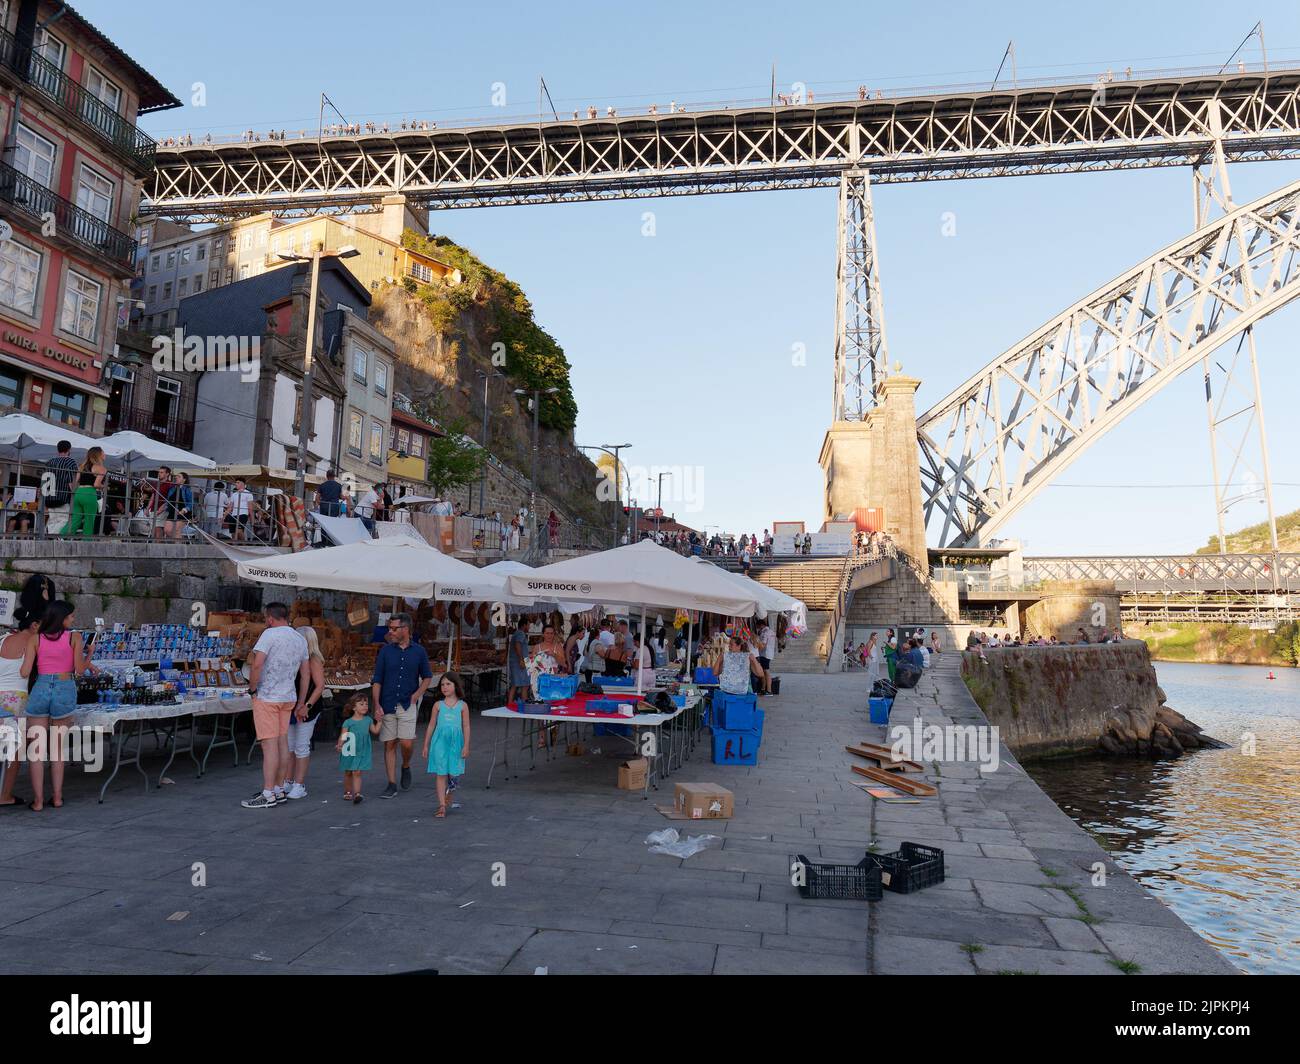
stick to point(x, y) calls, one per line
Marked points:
point(276, 665)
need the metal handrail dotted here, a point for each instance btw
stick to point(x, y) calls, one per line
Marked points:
point(37, 201)
point(656, 111)
point(53, 83)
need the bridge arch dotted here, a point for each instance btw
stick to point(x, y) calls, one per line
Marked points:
point(992, 444)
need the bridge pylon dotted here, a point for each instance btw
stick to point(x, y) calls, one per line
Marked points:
point(861, 353)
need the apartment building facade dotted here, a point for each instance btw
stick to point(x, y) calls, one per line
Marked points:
point(181, 262)
point(253, 418)
point(408, 447)
point(71, 170)
point(367, 358)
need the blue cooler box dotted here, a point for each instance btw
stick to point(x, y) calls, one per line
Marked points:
point(554, 688)
point(737, 747)
point(734, 712)
point(879, 709)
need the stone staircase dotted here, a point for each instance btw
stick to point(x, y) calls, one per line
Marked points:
point(814, 581)
point(808, 652)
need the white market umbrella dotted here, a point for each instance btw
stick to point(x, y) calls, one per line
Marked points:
point(638, 574)
point(132, 447)
point(771, 599)
point(507, 567)
point(393, 566)
point(24, 438)
point(128, 448)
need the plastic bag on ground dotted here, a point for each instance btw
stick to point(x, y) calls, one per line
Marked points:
point(670, 843)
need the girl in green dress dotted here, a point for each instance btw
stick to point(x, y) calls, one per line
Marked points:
point(446, 740)
point(354, 744)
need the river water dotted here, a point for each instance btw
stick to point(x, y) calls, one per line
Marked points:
point(1215, 834)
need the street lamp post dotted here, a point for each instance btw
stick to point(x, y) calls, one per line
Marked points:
point(532, 475)
point(308, 359)
point(659, 506)
point(482, 476)
point(613, 449)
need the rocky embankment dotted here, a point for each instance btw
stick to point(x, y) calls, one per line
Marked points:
point(1144, 732)
point(1048, 701)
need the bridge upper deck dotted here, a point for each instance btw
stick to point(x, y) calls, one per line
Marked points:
point(1153, 120)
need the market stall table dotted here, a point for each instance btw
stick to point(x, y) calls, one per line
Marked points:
point(105, 719)
point(571, 711)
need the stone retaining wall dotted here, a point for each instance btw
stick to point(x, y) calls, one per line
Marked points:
point(134, 582)
point(1049, 700)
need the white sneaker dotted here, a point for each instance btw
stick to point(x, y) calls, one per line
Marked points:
point(297, 791)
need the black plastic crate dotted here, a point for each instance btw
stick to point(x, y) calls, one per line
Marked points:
point(859, 882)
point(911, 868)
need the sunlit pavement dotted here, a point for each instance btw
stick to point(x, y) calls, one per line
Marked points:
point(320, 885)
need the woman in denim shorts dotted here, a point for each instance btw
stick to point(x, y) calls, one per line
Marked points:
point(59, 658)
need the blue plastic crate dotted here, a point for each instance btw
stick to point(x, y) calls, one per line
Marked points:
point(612, 729)
point(618, 681)
point(607, 705)
point(879, 709)
point(553, 688)
point(705, 676)
point(736, 747)
point(735, 712)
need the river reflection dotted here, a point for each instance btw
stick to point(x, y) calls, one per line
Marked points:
point(1216, 834)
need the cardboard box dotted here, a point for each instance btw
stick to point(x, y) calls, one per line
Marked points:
point(703, 801)
point(632, 774)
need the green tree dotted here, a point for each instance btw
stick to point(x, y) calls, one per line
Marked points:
point(455, 460)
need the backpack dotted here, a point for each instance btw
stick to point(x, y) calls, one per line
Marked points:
point(906, 674)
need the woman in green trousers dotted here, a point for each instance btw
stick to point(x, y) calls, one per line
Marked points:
point(85, 500)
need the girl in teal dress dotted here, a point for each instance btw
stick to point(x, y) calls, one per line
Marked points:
point(354, 744)
point(446, 740)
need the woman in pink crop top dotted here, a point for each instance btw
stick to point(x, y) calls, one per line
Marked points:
point(58, 657)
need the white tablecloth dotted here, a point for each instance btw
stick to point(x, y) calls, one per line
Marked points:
point(103, 717)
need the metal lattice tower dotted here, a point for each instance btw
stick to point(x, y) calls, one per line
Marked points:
point(861, 354)
point(1234, 404)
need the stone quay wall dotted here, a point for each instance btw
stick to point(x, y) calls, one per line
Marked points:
point(141, 583)
point(1053, 700)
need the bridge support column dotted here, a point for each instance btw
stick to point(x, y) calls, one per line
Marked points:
point(873, 462)
point(861, 354)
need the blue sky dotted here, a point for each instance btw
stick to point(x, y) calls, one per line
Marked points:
point(700, 319)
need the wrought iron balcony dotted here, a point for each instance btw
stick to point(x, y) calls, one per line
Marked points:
point(177, 431)
point(121, 136)
point(70, 221)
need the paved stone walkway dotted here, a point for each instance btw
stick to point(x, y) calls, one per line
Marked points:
point(322, 886)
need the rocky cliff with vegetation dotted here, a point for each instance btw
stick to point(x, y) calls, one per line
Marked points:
point(448, 335)
point(1231, 644)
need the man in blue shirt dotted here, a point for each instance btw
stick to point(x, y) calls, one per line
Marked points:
point(329, 495)
point(402, 674)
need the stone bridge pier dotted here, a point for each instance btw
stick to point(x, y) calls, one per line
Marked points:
point(873, 462)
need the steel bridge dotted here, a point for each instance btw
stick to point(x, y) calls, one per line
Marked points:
point(1250, 589)
point(993, 443)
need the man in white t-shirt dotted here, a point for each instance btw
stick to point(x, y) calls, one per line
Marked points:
point(278, 677)
point(240, 507)
point(366, 508)
point(214, 508)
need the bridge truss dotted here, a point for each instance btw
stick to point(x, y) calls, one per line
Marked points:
point(991, 445)
point(1149, 121)
point(995, 442)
